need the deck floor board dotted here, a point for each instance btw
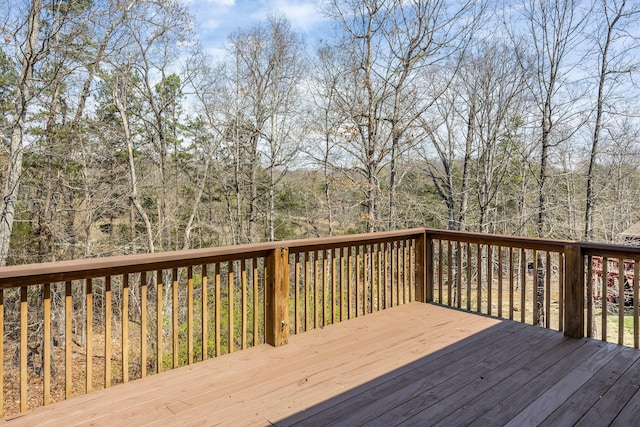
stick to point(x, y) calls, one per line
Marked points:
point(417, 364)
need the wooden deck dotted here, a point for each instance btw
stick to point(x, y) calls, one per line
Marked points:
point(417, 364)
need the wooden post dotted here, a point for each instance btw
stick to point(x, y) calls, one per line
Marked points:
point(574, 292)
point(429, 268)
point(421, 268)
point(277, 297)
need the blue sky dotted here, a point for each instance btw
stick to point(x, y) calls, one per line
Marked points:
point(216, 19)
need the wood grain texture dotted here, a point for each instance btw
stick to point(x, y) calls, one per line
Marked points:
point(419, 364)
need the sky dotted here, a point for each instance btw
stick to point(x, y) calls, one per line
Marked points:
point(216, 19)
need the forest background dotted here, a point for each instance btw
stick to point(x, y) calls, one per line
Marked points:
point(121, 134)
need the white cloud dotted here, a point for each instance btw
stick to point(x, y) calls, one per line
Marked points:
point(304, 15)
point(216, 19)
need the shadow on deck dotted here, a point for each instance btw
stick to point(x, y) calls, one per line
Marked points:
point(418, 364)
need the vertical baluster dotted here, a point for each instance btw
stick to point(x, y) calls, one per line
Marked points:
point(385, 265)
point(561, 295)
point(159, 322)
point(316, 290)
point(535, 305)
point(46, 361)
point(479, 284)
point(333, 284)
point(511, 284)
point(440, 273)
point(125, 328)
point(256, 298)
point(243, 279)
point(174, 315)
point(458, 274)
point(68, 341)
point(500, 253)
point(449, 271)
point(523, 284)
point(230, 293)
point(349, 282)
point(190, 315)
point(343, 257)
point(412, 270)
point(636, 277)
point(400, 265)
point(489, 280)
point(218, 305)
point(205, 313)
point(547, 308)
point(324, 287)
point(589, 296)
point(358, 298)
point(307, 317)
point(621, 279)
point(468, 276)
point(89, 336)
point(143, 324)
point(379, 305)
point(108, 317)
point(24, 325)
point(296, 292)
point(397, 251)
point(604, 296)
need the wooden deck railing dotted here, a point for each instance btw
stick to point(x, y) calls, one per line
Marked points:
point(579, 288)
point(63, 322)
point(64, 332)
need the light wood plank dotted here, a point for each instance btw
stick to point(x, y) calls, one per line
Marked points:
point(448, 368)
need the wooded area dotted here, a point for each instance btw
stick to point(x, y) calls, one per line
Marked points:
point(121, 134)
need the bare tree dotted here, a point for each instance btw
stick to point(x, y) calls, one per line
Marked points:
point(267, 70)
point(614, 47)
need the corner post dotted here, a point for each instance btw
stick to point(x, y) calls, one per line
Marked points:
point(574, 292)
point(276, 328)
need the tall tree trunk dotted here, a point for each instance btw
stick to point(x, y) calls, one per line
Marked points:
point(14, 168)
point(590, 202)
point(133, 178)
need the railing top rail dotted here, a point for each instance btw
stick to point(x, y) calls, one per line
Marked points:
point(607, 250)
point(501, 240)
point(51, 272)
point(305, 245)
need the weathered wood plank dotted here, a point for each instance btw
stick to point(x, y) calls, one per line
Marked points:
point(573, 408)
point(416, 363)
point(548, 402)
point(614, 399)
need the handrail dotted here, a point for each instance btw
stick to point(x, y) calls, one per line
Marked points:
point(195, 304)
point(59, 271)
point(180, 307)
